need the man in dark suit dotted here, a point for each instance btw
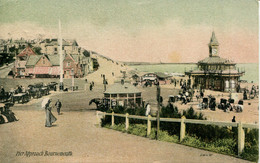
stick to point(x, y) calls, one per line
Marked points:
point(58, 106)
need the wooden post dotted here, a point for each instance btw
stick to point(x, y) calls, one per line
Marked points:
point(112, 119)
point(158, 94)
point(183, 126)
point(127, 99)
point(241, 138)
point(98, 119)
point(126, 121)
point(148, 125)
point(110, 100)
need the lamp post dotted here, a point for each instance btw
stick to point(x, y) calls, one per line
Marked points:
point(158, 95)
point(72, 79)
point(104, 82)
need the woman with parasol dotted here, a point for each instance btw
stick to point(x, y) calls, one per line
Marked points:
point(49, 116)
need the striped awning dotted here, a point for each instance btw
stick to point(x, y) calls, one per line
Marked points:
point(55, 70)
point(30, 70)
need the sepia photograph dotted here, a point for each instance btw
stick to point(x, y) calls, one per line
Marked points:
point(129, 81)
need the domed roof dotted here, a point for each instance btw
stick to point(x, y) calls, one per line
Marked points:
point(215, 59)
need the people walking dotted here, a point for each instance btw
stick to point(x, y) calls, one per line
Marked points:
point(234, 119)
point(90, 87)
point(58, 106)
point(50, 118)
point(148, 109)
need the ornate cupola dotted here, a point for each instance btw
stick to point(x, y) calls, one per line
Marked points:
point(213, 46)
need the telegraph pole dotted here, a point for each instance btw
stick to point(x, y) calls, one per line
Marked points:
point(61, 58)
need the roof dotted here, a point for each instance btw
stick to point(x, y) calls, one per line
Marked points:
point(119, 88)
point(32, 60)
point(75, 57)
point(20, 64)
point(213, 40)
point(215, 59)
point(52, 42)
point(26, 52)
point(54, 59)
point(161, 75)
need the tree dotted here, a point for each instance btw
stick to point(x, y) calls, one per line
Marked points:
point(37, 49)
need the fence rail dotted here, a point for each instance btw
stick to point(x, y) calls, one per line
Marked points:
point(182, 121)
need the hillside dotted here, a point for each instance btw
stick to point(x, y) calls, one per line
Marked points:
point(107, 67)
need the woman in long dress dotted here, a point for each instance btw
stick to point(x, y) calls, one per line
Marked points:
point(49, 116)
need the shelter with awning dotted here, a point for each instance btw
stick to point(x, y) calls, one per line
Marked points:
point(123, 94)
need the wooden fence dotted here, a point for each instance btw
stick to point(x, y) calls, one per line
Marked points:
point(183, 121)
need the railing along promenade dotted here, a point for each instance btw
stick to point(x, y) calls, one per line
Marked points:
point(183, 121)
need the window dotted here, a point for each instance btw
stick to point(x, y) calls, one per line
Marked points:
point(68, 64)
point(55, 49)
point(43, 60)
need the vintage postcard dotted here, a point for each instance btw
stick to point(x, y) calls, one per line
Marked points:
point(129, 81)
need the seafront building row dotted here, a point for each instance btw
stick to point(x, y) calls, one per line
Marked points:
point(39, 58)
point(30, 64)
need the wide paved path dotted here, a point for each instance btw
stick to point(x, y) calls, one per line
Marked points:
point(76, 131)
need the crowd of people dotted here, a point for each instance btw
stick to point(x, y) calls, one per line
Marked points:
point(253, 93)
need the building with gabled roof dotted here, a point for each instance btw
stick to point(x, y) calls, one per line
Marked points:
point(21, 59)
point(50, 46)
point(71, 65)
point(25, 53)
point(214, 72)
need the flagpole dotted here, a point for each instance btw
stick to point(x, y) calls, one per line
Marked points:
point(61, 57)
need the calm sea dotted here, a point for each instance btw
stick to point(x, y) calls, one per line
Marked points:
point(251, 69)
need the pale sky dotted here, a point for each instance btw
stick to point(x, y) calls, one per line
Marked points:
point(140, 30)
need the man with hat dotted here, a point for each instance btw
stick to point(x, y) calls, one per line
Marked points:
point(58, 106)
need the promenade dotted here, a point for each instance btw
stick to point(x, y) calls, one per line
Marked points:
point(76, 131)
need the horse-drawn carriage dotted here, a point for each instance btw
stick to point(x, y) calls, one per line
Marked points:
point(102, 104)
point(52, 86)
point(239, 107)
point(223, 104)
point(6, 115)
point(205, 103)
point(20, 98)
point(38, 90)
point(212, 103)
point(5, 96)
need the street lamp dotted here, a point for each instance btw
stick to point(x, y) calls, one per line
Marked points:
point(104, 82)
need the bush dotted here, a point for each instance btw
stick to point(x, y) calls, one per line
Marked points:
point(137, 129)
point(225, 146)
point(210, 137)
point(251, 149)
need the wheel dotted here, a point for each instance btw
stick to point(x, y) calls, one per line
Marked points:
point(2, 120)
